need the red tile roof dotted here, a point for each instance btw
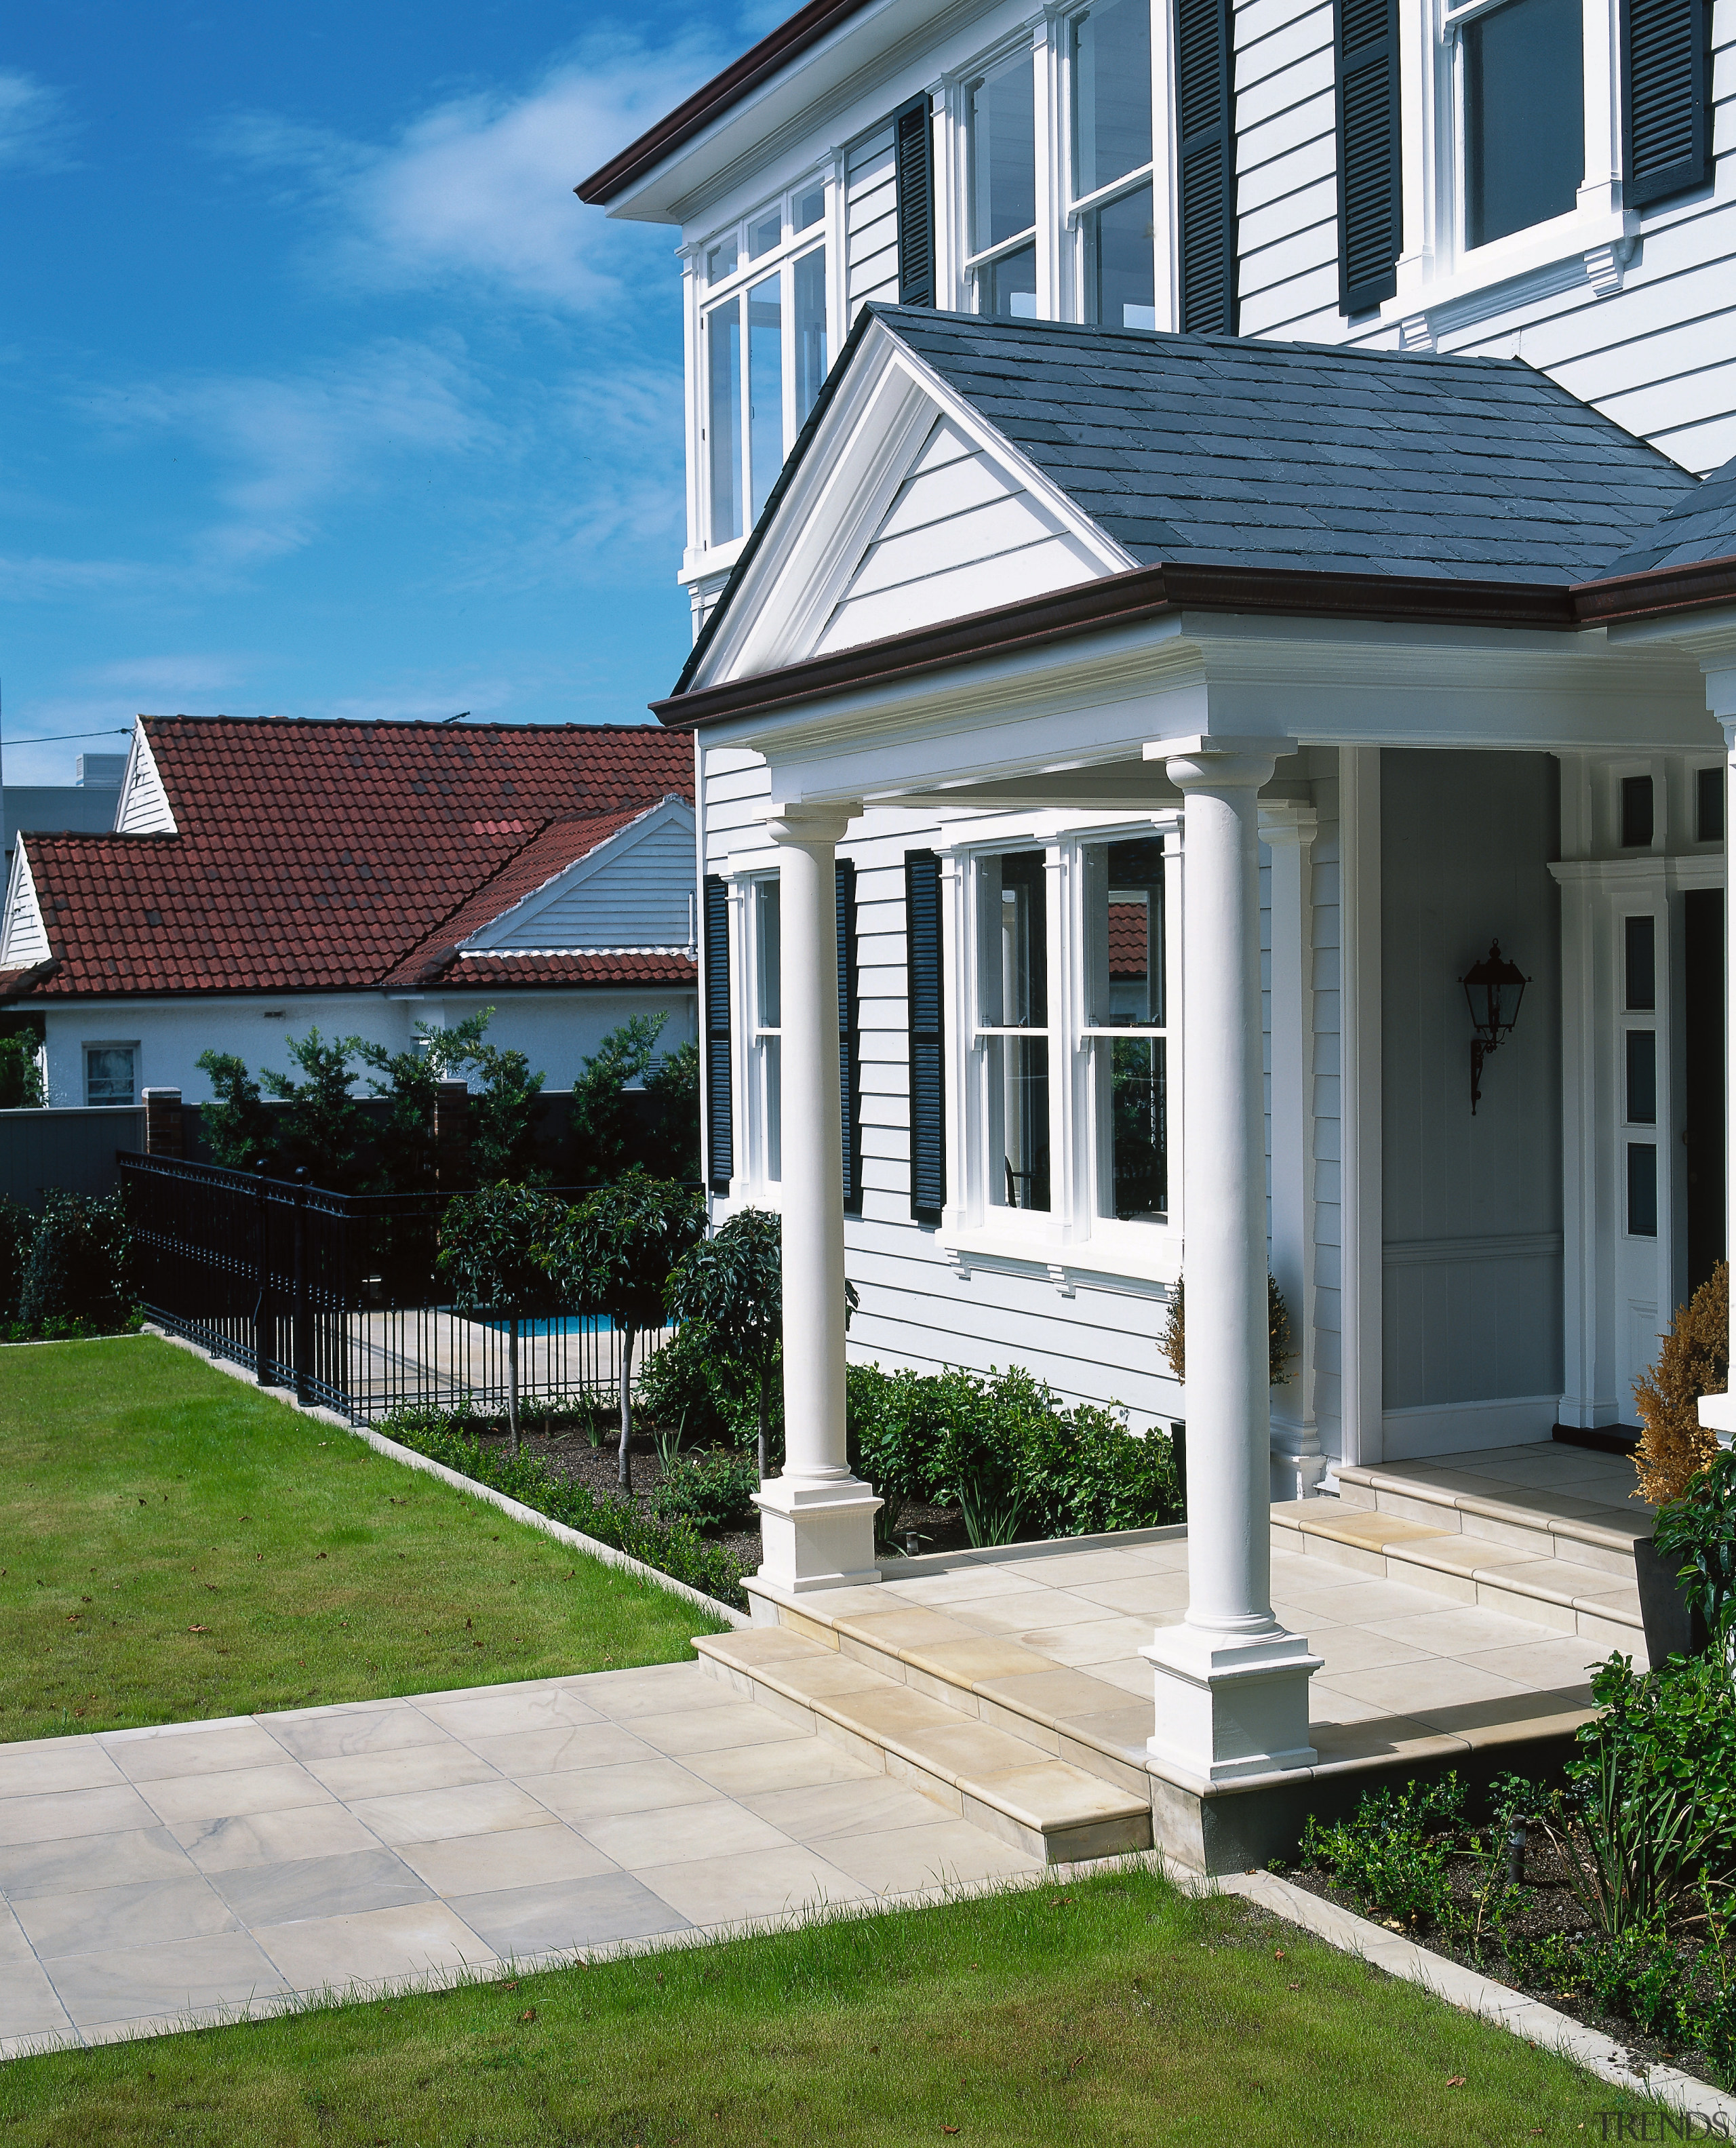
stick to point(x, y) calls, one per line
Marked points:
point(491, 973)
point(1127, 940)
point(320, 856)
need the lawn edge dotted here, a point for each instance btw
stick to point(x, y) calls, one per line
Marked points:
point(1474, 1993)
point(514, 1509)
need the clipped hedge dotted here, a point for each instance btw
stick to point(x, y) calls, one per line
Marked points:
point(673, 1548)
point(66, 1272)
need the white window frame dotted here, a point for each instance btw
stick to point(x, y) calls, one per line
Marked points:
point(1072, 1234)
point(822, 235)
point(752, 1180)
point(89, 1045)
point(1593, 241)
point(1035, 48)
point(1075, 210)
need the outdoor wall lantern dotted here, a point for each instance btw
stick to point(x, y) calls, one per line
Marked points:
point(1493, 989)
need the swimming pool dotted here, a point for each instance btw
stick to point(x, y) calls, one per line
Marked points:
point(570, 1323)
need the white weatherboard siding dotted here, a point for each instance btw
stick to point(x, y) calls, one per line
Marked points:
point(25, 937)
point(961, 535)
point(870, 221)
point(634, 891)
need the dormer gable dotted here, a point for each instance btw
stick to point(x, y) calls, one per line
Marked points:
point(144, 808)
point(633, 892)
point(24, 931)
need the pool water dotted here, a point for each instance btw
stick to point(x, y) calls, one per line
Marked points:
point(571, 1324)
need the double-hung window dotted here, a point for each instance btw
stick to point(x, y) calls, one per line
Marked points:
point(1109, 56)
point(111, 1073)
point(1012, 1028)
point(1524, 105)
point(765, 352)
point(1125, 1029)
point(1001, 108)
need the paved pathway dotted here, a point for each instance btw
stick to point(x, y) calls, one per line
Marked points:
point(145, 1875)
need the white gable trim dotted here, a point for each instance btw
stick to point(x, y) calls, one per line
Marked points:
point(145, 808)
point(865, 448)
point(23, 934)
point(512, 920)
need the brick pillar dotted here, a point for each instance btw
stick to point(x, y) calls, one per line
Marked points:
point(163, 1122)
point(452, 1136)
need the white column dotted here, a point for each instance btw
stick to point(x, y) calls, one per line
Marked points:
point(1232, 1685)
point(816, 1520)
point(1298, 1463)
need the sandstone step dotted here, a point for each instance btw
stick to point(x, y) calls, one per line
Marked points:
point(999, 1781)
point(1536, 1521)
point(1529, 1580)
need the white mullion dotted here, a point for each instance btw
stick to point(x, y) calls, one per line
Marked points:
point(1049, 149)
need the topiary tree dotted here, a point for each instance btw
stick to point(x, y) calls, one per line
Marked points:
point(1694, 1361)
point(615, 1253)
point(493, 1256)
point(732, 1285)
point(1280, 1347)
point(238, 1127)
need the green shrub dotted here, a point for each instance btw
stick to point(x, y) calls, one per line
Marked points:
point(1394, 1855)
point(712, 1491)
point(78, 1264)
point(1100, 1476)
point(675, 1388)
point(897, 1422)
point(17, 1227)
point(21, 1075)
point(676, 1548)
point(1699, 1530)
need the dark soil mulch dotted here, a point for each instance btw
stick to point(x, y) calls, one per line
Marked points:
point(569, 1451)
point(1547, 1905)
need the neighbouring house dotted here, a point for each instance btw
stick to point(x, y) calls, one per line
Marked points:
point(266, 876)
point(1214, 670)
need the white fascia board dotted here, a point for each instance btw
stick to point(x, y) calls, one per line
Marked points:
point(144, 806)
point(1097, 698)
point(560, 883)
point(23, 934)
point(862, 453)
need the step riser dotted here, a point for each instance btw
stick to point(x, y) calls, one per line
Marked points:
point(1546, 1537)
point(1610, 1624)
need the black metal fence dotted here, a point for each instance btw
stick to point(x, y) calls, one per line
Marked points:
point(336, 1295)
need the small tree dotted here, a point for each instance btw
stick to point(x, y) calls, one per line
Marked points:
point(602, 1118)
point(493, 1255)
point(324, 1128)
point(732, 1284)
point(21, 1075)
point(1695, 1360)
point(501, 1127)
point(673, 1087)
point(410, 1086)
point(237, 1126)
point(1279, 1348)
point(615, 1253)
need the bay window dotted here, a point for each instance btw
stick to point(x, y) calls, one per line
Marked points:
point(765, 348)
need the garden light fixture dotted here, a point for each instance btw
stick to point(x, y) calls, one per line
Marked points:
point(1493, 989)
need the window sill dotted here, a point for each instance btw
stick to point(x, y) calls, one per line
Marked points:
point(1588, 247)
point(1147, 1270)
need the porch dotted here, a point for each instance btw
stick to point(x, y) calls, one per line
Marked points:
point(1010, 1684)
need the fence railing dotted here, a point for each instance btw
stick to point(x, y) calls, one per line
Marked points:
point(337, 1295)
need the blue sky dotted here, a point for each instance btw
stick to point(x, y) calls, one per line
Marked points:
point(320, 392)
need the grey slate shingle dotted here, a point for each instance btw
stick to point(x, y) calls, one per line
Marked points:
point(1701, 526)
point(1232, 451)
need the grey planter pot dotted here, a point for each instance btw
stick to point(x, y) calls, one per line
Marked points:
point(1673, 1628)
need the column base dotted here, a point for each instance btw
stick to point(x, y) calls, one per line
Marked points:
point(1231, 1704)
point(817, 1536)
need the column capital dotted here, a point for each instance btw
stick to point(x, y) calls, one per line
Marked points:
point(796, 822)
point(1200, 762)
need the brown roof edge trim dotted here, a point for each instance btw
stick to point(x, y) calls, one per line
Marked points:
point(1656, 591)
point(806, 28)
point(1127, 600)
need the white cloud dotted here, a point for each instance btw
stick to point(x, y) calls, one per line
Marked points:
point(287, 448)
point(481, 186)
point(201, 674)
point(35, 125)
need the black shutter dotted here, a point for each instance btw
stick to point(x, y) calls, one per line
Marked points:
point(1205, 125)
point(911, 160)
point(850, 1059)
point(928, 1039)
point(720, 1126)
point(1365, 39)
point(1666, 99)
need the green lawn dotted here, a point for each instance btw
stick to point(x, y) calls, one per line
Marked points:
point(1110, 2009)
point(176, 1544)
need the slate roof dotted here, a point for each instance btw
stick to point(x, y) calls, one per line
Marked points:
point(1699, 527)
point(321, 856)
point(1229, 450)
